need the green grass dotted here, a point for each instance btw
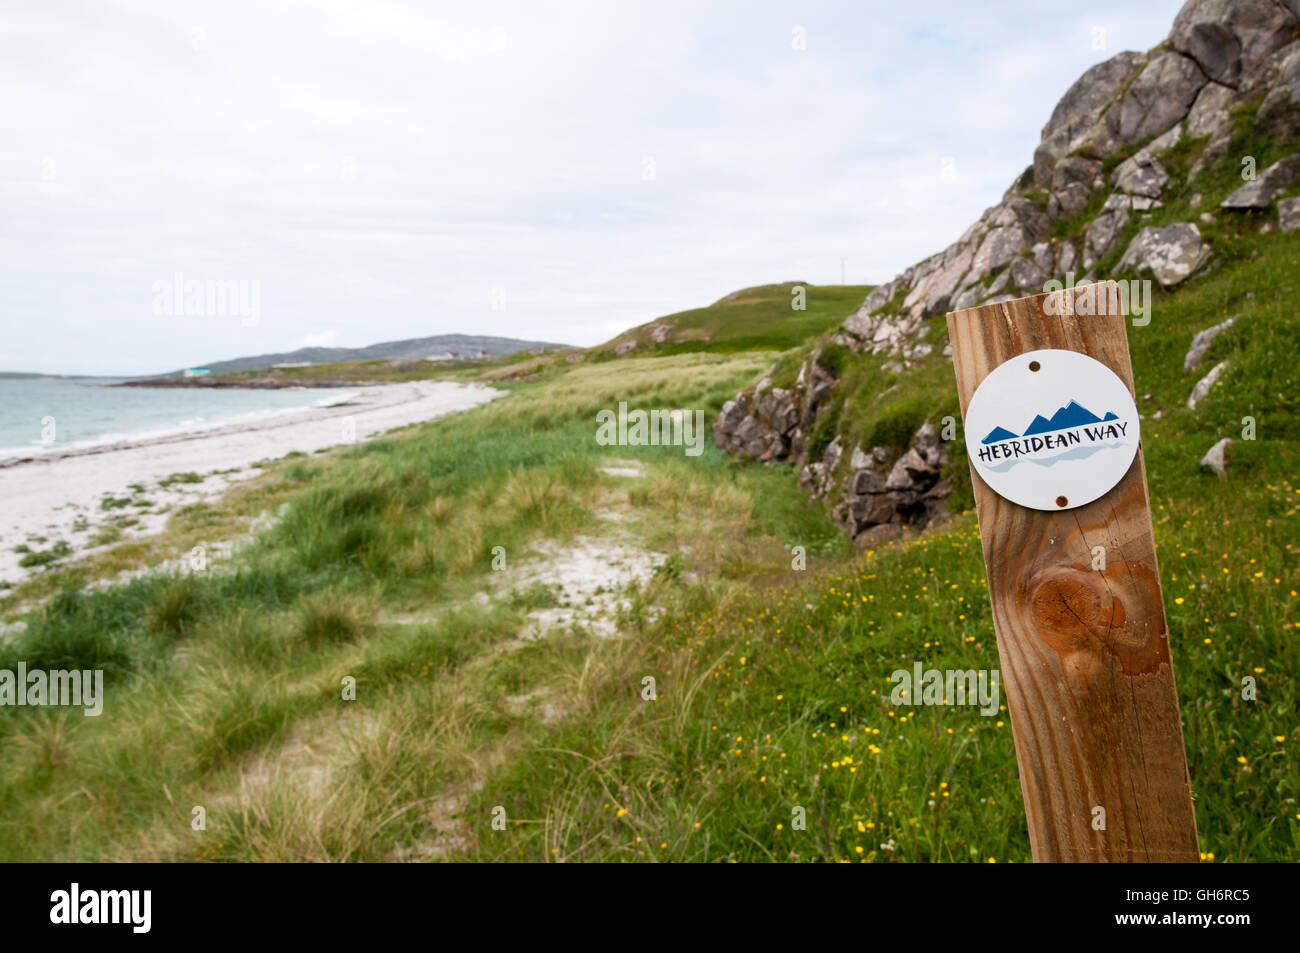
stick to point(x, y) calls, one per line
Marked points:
point(225, 687)
point(762, 318)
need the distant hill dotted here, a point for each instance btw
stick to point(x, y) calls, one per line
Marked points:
point(412, 349)
point(767, 318)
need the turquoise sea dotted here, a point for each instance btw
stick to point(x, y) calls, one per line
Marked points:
point(40, 414)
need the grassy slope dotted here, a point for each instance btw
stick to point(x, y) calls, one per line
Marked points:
point(779, 698)
point(760, 318)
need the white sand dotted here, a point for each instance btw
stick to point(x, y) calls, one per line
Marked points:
point(59, 496)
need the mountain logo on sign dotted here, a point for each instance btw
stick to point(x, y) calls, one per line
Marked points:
point(1068, 417)
point(1073, 432)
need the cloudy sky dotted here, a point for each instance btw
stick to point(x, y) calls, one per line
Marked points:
point(378, 170)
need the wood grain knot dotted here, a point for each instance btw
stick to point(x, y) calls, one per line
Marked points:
point(1067, 605)
point(1116, 612)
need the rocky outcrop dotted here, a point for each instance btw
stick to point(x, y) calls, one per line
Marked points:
point(1260, 192)
point(773, 423)
point(1230, 40)
point(881, 493)
point(1280, 111)
point(1220, 55)
point(1076, 121)
point(868, 489)
point(1161, 95)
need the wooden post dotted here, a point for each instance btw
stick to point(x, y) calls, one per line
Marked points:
point(1084, 653)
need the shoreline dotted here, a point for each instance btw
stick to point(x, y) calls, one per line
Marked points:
point(75, 495)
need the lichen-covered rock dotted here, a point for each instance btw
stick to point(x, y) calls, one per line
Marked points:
point(1229, 37)
point(1288, 214)
point(1170, 254)
point(1141, 175)
point(1216, 458)
point(1027, 274)
point(1074, 181)
point(1201, 343)
point(1266, 186)
point(1203, 386)
point(997, 248)
point(1137, 203)
point(1161, 95)
point(1075, 122)
point(1212, 110)
point(1102, 233)
point(933, 294)
point(1280, 111)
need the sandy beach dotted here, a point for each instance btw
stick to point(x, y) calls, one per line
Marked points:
point(59, 496)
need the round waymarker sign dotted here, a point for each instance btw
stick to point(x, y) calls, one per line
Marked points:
point(1052, 429)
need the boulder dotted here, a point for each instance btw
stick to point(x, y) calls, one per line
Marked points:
point(1203, 386)
point(1280, 111)
point(1102, 233)
point(1141, 175)
point(1201, 343)
point(1074, 181)
point(867, 481)
point(1227, 38)
point(834, 451)
point(998, 248)
point(1027, 274)
point(1266, 186)
point(933, 294)
point(1066, 259)
point(968, 297)
point(1161, 95)
point(1170, 253)
point(927, 443)
point(870, 510)
point(728, 418)
point(1212, 110)
point(911, 471)
point(778, 408)
point(1043, 256)
point(1216, 458)
point(1288, 214)
point(1138, 203)
point(1028, 215)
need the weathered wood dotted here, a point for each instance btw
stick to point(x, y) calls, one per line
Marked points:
point(1084, 653)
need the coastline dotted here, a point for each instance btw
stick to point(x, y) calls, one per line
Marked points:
point(69, 495)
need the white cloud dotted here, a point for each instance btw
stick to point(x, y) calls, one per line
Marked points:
point(380, 167)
